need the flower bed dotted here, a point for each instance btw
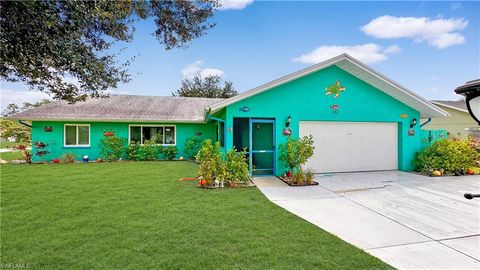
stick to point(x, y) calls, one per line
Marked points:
point(291, 182)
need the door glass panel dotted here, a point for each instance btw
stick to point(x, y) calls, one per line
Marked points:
point(262, 163)
point(70, 135)
point(83, 135)
point(262, 135)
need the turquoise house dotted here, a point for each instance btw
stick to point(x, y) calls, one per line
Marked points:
point(360, 120)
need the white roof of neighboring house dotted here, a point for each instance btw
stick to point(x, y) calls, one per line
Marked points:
point(359, 70)
point(459, 105)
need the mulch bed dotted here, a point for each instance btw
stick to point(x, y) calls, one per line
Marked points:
point(288, 181)
point(246, 185)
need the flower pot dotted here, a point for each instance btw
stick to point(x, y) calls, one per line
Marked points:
point(470, 172)
point(56, 161)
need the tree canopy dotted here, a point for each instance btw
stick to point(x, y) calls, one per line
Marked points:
point(208, 87)
point(12, 129)
point(62, 47)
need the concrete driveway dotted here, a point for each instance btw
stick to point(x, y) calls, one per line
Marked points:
point(407, 220)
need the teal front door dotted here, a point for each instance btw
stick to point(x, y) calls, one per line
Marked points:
point(262, 156)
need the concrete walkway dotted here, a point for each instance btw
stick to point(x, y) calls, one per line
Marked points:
point(407, 220)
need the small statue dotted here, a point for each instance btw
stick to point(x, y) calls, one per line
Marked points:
point(216, 183)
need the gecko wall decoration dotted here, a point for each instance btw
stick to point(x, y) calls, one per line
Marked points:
point(335, 89)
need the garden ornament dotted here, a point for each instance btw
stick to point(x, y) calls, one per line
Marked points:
point(335, 89)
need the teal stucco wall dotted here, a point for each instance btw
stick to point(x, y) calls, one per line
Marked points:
point(305, 99)
point(55, 138)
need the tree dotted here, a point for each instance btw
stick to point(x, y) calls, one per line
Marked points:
point(208, 87)
point(48, 44)
point(12, 129)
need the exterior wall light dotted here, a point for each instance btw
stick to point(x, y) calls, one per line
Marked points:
point(289, 120)
point(471, 91)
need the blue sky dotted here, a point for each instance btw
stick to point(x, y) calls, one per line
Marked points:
point(429, 47)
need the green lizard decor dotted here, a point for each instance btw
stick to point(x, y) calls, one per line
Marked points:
point(335, 89)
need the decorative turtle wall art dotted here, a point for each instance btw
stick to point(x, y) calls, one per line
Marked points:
point(335, 89)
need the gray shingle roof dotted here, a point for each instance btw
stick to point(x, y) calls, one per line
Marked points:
point(124, 108)
point(459, 104)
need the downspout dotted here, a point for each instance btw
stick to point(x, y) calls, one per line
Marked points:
point(424, 124)
point(24, 124)
point(224, 129)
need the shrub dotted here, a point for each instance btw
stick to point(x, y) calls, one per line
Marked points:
point(309, 177)
point(170, 152)
point(299, 177)
point(235, 167)
point(67, 158)
point(133, 151)
point(26, 154)
point(210, 159)
point(450, 156)
point(296, 152)
point(112, 147)
point(192, 146)
point(149, 150)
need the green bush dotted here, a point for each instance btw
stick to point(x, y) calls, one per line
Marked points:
point(231, 169)
point(235, 167)
point(149, 150)
point(210, 159)
point(170, 152)
point(450, 156)
point(112, 147)
point(67, 158)
point(133, 151)
point(296, 152)
point(192, 146)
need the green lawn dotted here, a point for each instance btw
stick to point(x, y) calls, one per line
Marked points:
point(11, 144)
point(8, 156)
point(137, 215)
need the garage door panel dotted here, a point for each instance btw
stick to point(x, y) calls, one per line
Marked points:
point(352, 146)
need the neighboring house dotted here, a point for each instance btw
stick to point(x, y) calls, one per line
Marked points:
point(360, 120)
point(459, 123)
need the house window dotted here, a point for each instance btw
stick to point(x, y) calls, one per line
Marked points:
point(164, 135)
point(77, 135)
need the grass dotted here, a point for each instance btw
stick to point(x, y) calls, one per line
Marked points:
point(137, 215)
point(9, 156)
point(6, 144)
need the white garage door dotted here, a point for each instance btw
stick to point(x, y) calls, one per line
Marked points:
point(352, 146)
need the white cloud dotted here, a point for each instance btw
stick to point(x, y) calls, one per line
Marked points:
point(234, 4)
point(393, 49)
point(456, 6)
point(367, 53)
point(196, 69)
point(8, 96)
point(440, 33)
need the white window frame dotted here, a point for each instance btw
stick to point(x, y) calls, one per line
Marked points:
point(164, 126)
point(76, 135)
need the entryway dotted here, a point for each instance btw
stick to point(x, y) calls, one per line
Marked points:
point(257, 136)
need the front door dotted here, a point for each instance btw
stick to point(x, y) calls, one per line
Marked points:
point(262, 156)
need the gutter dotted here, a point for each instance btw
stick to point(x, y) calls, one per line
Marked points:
point(24, 124)
point(428, 121)
point(224, 128)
